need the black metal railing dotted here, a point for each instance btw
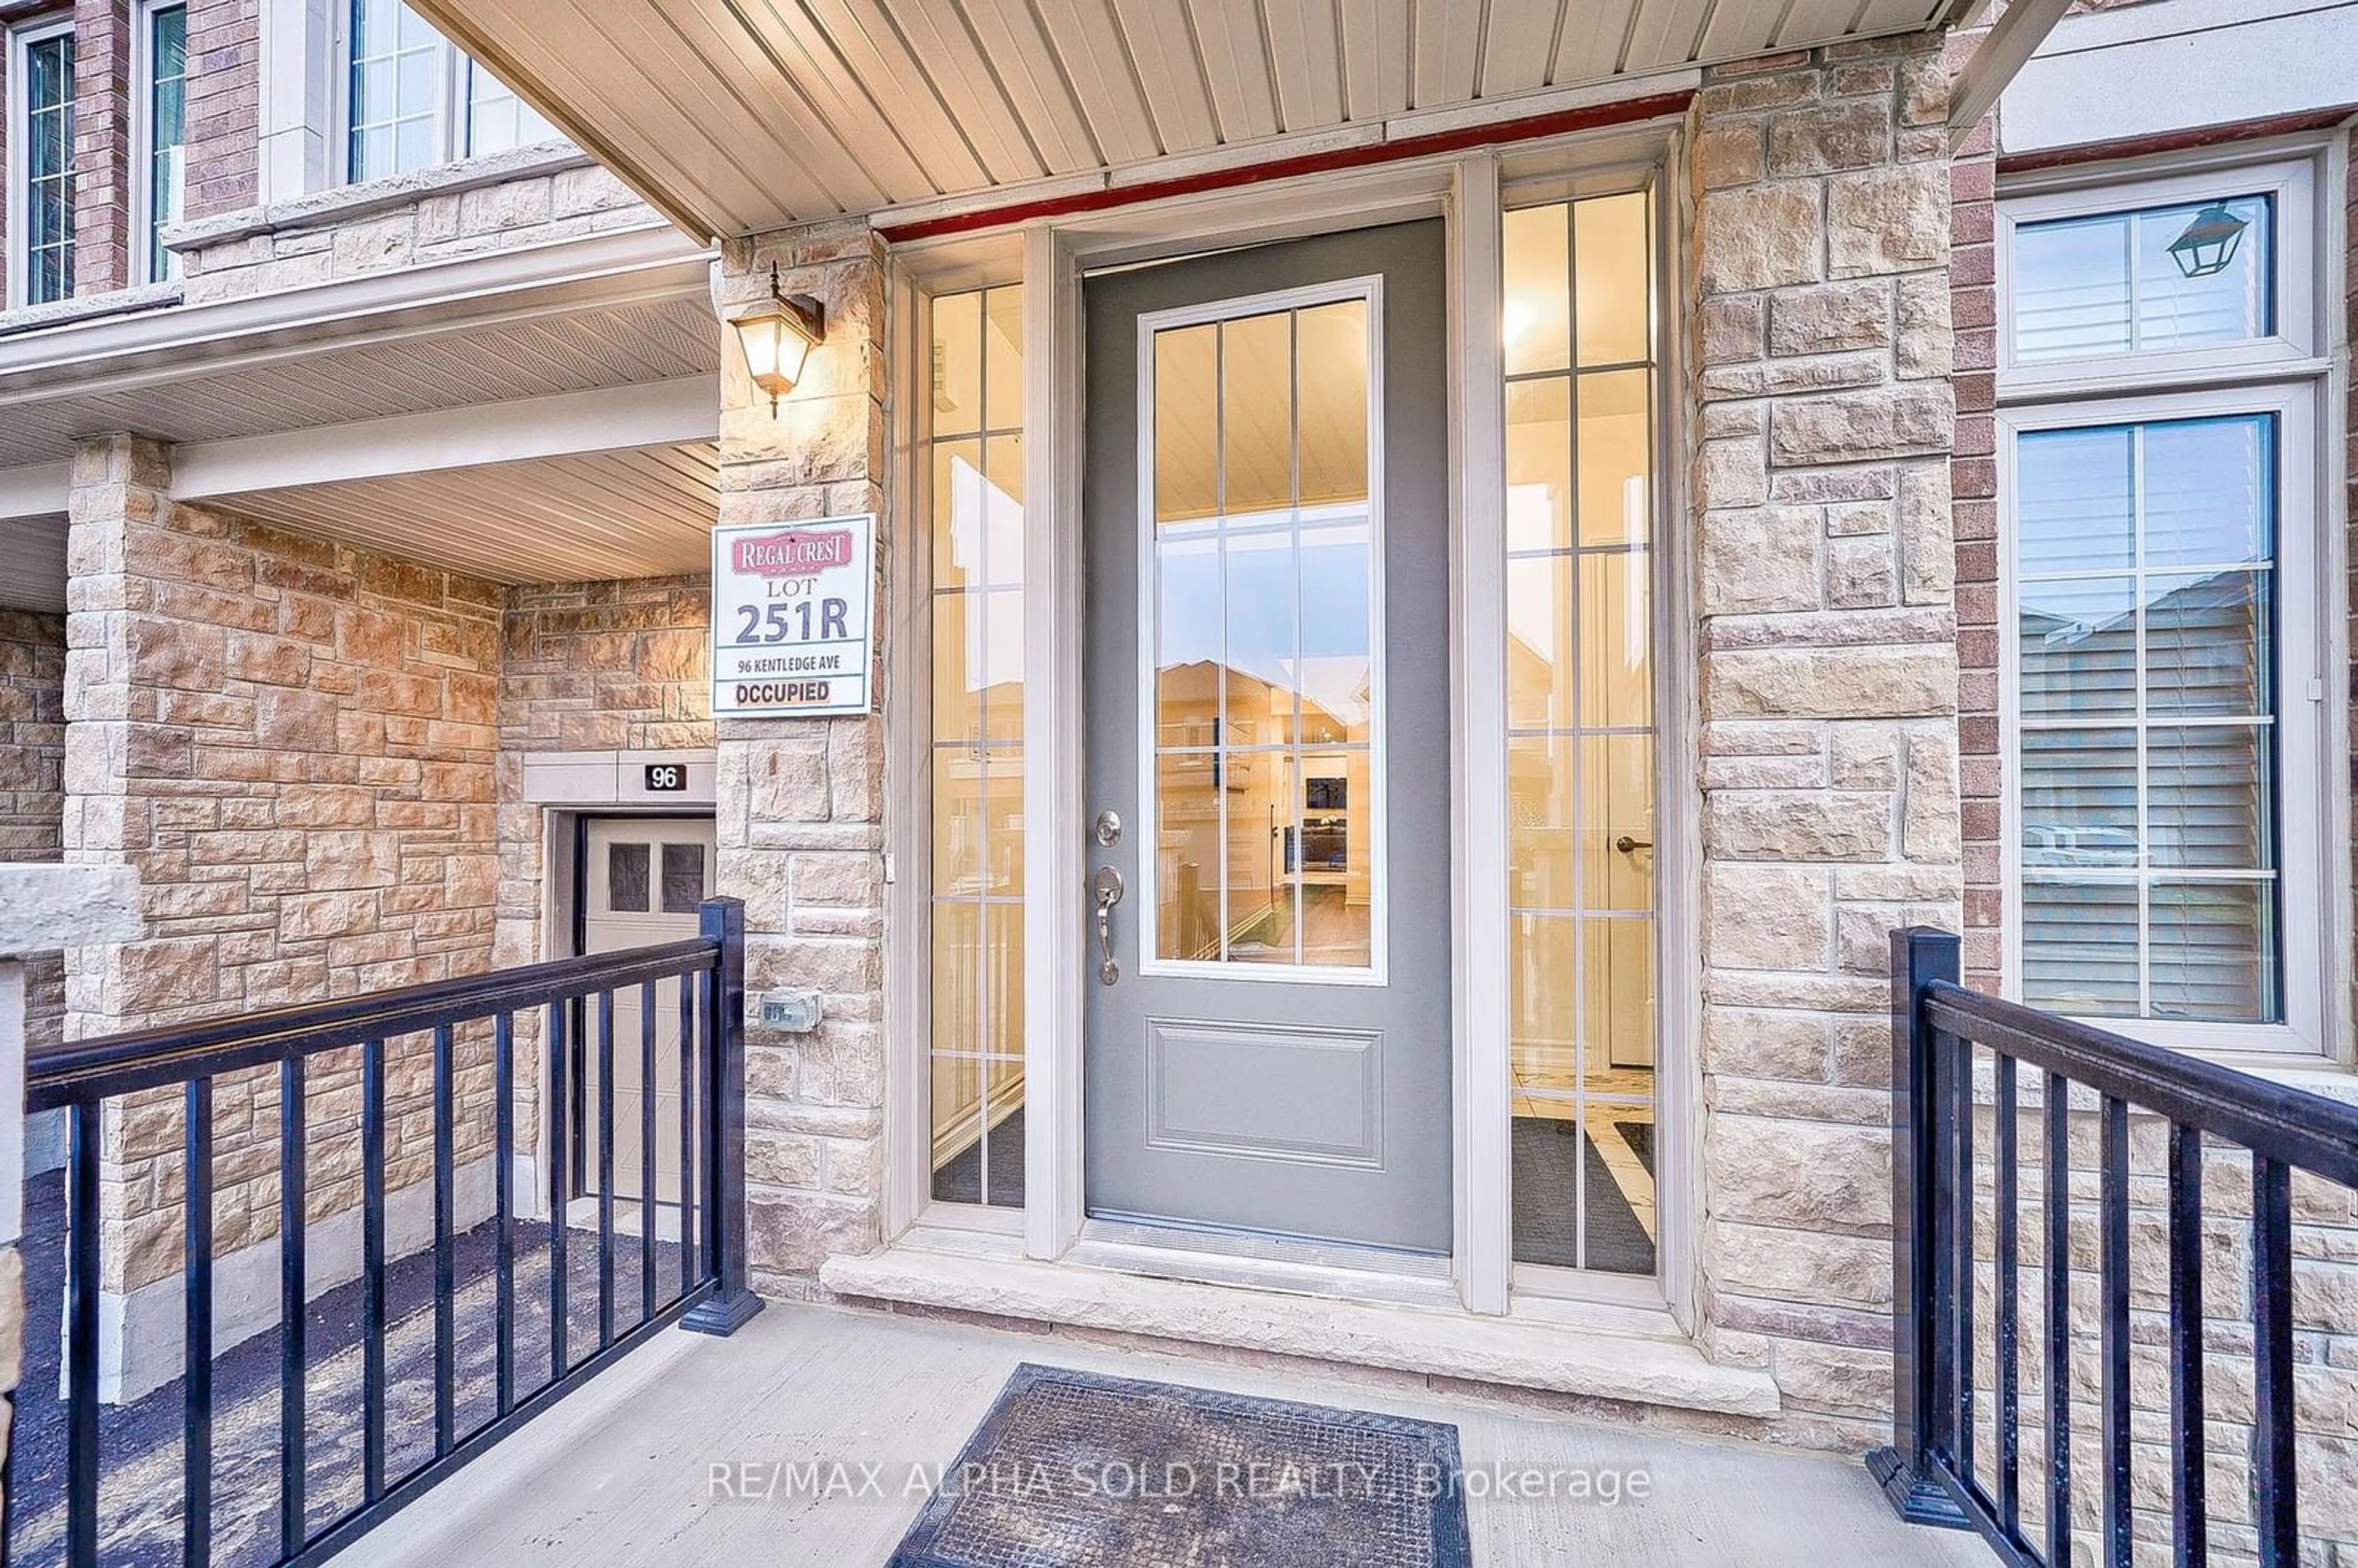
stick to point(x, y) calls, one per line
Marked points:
point(690, 990)
point(1960, 1461)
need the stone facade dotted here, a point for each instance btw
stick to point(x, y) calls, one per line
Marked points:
point(32, 783)
point(1817, 283)
point(530, 197)
point(292, 741)
point(800, 802)
point(589, 667)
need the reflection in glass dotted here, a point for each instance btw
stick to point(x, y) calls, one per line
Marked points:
point(2108, 285)
point(1581, 748)
point(1263, 641)
point(2079, 797)
point(2213, 951)
point(1539, 464)
point(683, 878)
point(2147, 741)
point(976, 501)
point(1609, 246)
point(2210, 798)
point(1615, 457)
point(2079, 947)
point(1536, 320)
point(626, 879)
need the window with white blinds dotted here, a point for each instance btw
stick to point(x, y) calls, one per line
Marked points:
point(2163, 678)
point(2145, 613)
point(2111, 284)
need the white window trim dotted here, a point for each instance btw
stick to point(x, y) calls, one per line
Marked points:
point(2305, 779)
point(19, 258)
point(1378, 969)
point(142, 242)
point(1048, 258)
point(448, 130)
point(2293, 185)
point(452, 129)
point(2299, 366)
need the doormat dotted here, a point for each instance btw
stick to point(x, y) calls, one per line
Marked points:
point(1074, 1470)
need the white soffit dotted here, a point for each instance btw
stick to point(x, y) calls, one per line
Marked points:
point(656, 341)
point(734, 116)
point(646, 512)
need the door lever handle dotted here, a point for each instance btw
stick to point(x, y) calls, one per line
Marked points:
point(1627, 845)
point(1108, 884)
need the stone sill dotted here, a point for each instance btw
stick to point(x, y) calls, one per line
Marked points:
point(1666, 1369)
point(45, 907)
point(343, 203)
point(89, 307)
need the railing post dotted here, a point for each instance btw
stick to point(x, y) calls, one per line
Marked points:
point(724, 1024)
point(1920, 954)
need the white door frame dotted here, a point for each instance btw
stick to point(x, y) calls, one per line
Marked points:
point(1049, 257)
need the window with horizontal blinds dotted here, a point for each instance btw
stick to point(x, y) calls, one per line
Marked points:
point(2146, 565)
point(2084, 288)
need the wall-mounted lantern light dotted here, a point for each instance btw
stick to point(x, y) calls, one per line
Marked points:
point(2209, 244)
point(778, 335)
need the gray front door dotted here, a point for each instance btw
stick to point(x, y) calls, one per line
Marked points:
point(1266, 675)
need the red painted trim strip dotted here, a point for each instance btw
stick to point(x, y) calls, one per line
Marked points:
point(1561, 123)
point(2177, 141)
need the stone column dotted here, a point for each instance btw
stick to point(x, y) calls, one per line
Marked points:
point(800, 801)
point(292, 741)
point(1818, 287)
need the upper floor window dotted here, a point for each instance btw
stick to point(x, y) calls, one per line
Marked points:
point(41, 154)
point(2163, 678)
point(163, 70)
point(414, 100)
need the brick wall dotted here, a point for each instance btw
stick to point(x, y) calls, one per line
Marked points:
point(1818, 290)
point(589, 667)
point(292, 741)
point(2326, 1228)
point(32, 783)
point(101, 144)
point(1973, 480)
point(224, 106)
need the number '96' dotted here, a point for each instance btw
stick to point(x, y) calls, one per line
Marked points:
point(802, 622)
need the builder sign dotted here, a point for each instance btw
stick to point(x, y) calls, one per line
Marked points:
point(792, 607)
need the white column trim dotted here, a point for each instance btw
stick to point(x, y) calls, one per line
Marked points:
point(299, 99)
point(1477, 709)
point(1678, 811)
point(1054, 798)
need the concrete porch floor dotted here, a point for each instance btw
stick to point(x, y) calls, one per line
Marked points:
point(622, 1474)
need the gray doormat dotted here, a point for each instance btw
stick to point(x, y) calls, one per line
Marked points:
point(1074, 1470)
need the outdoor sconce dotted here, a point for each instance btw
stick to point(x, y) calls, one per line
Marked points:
point(778, 335)
point(2208, 243)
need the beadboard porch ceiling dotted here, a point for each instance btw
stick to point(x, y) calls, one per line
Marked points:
point(587, 517)
point(734, 116)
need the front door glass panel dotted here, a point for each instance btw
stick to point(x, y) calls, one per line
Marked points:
point(1265, 691)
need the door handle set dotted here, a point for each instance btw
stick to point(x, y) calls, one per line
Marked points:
point(1629, 845)
point(1109, 888)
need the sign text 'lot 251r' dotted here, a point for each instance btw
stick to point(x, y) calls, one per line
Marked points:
point(793, 612)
